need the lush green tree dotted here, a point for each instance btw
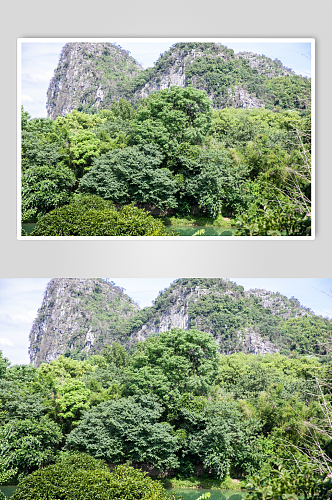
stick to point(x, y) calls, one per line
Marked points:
point(282, 221)
point(93, 216)
point(39, 144)
point(131, 175)
point(116, 354)
point(292, 484)
point(171, 117)
point(215, 433)
point(122, 109)
point(76, 121)
point(71, 398)
point(83, 148)
point(80, 477)
point(127, 429)
point(45, 188)
point(172, 363)
point(17, 402)
point(218, 183)
point(28, 444)
point(63, 368)
point(4, 364)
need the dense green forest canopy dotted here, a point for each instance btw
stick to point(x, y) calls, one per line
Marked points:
point(172, 402)
point(182, 150)
point(234, 162)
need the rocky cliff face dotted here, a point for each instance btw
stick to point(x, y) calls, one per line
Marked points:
point(89, 75)
point(264, 65)
point(180, 307)
point(78, 316)
point(279, 304)
point(93, 75)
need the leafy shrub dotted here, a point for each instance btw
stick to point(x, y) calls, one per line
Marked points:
point(80, 477)
point(128, 429)
point(93, 216)
point(291, 484)
point(45, 188)
point(273, 222)
point(26, 445)
point(132, 174)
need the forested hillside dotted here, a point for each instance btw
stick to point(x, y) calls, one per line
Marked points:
point(166, 390)
point(174, 407)
point(80, 317)
point(204, 135)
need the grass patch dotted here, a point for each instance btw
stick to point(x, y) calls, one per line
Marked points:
point(196, 482)
point(192, 220)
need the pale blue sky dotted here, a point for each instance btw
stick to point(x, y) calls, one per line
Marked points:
point(39, 60)
point(20, 299)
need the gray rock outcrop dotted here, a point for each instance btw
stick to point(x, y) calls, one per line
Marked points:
point(77, 315)
point(88, 74)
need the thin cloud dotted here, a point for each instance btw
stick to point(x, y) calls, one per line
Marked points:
point(27, 98)
point(37, 77)
point(4, 341)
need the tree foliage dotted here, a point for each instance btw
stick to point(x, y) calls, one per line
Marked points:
point(131, 175)
point(26, 445)
point(126, 430)
point(45, 188)
point(93, 216)
point(174, 363)
point(80, 477)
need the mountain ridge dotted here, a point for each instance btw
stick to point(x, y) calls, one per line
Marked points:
point(79, 317)
point(90, 76)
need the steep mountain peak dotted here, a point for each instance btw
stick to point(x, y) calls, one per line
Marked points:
point(89, 74)
point(78, 316)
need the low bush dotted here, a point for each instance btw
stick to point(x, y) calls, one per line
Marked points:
point(93, 216)
point(274, 222)
point(292, 484)
point(81, 477)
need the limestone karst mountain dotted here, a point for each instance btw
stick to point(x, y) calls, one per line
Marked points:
point(90, 76)
point(79, 317)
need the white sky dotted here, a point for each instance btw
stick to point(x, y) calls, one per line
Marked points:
point(40, 59)
point(20, 299)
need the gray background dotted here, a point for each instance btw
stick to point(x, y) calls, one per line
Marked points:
point(176, 18)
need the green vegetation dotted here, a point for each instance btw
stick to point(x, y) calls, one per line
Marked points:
point(80, 477)
point(193, 220)
point(201, 482)
point(292, 484)
point(175, 406)
point(172, 403)
point(230, 314)
point(175, 153)
point(93, 216)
